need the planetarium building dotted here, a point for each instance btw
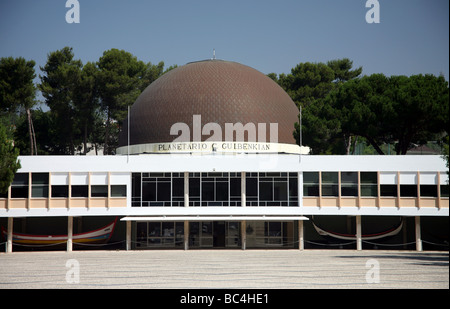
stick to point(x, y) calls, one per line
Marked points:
point(207, 159)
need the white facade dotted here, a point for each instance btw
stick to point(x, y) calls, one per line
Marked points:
point(104, 170)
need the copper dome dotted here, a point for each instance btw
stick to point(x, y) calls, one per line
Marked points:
point(220, 91)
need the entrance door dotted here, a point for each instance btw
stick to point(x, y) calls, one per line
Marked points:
point(219, 234)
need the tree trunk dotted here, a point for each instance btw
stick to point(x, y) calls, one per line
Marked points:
point(355, 142)
point(85, 138)
point(377, 148)
point(33, 146)
point(106, 147)
point(348, 144)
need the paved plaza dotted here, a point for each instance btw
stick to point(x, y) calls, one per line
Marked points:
point(227, 269)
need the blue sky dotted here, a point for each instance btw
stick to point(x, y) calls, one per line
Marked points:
point(270, 36)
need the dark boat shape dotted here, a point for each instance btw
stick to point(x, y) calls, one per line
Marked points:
point(391, 232)
point(101, 235)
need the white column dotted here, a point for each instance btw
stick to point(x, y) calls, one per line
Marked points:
point(418, 235)
point(186, 189)
point(186, 235)
point(243, 235)
point(358, 233)
point(128, 236)
point(243, 190)
point(186, 204)
point(9, 240)
point(69, 233)
point(243, 204)
point(301, 236)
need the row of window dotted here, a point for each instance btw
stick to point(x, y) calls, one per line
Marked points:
point(40, 188)
point(368, 186)
point(214, 189)
point(224, 189)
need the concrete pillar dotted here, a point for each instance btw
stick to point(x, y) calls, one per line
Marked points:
point(186, 189)
point(358, 233)
point(128, 236)
point(418, 235)
point(9, 240)
point(243, 234)
point(69, 233)
point(301, 231)
point(186, 235)
point(243, 190)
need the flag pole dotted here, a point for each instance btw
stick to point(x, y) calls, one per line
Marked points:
point(128, 135)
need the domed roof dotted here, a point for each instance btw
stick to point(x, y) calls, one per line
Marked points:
point(220, 92)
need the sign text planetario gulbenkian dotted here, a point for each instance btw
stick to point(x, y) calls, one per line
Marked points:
point(234, 141)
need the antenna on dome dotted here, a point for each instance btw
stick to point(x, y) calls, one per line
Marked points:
point(214, 54)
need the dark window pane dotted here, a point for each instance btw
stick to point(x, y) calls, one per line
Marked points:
point(310, 190)
point(154, 229)
point(330, 177)
point(39, 178)
point(280, 191)
point(369, 190)
point(428, 190)
point(149, 191)
point(221, 191)
point(178, 187)
point(235, 186)
point(347, 190)
point(251, 186)
point(368, 177)
point(39, 191)
point(293, 187)
point(311, 177)
point(266, 191)
point(60, 191)
point(19, 192)
point(136, 185)
point(408, 190)
point(388, 190)
point(80, 191)
point(194, 187)
point(349, 178)
point(118, 191)
point(207, 191)
point(444, 190)
point(99, 191)
point(330, 190)
point(20, 179)
point(163, 193)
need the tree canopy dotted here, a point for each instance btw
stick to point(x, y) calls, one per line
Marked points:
point(339, 107)
point(87, 104)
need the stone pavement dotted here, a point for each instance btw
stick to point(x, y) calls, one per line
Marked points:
point(227, 269)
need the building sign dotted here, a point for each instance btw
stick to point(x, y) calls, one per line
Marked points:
point(213, 147)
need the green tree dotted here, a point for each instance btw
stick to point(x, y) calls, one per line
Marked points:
point(362, 107)
point(421, 105)
point(17, 91)
point(119, 84)
point(342, 69)
point(86, 102)
point(308, 85)
point(9, 164)
point(46, 132)
point(61, 76)
point(397, 109)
